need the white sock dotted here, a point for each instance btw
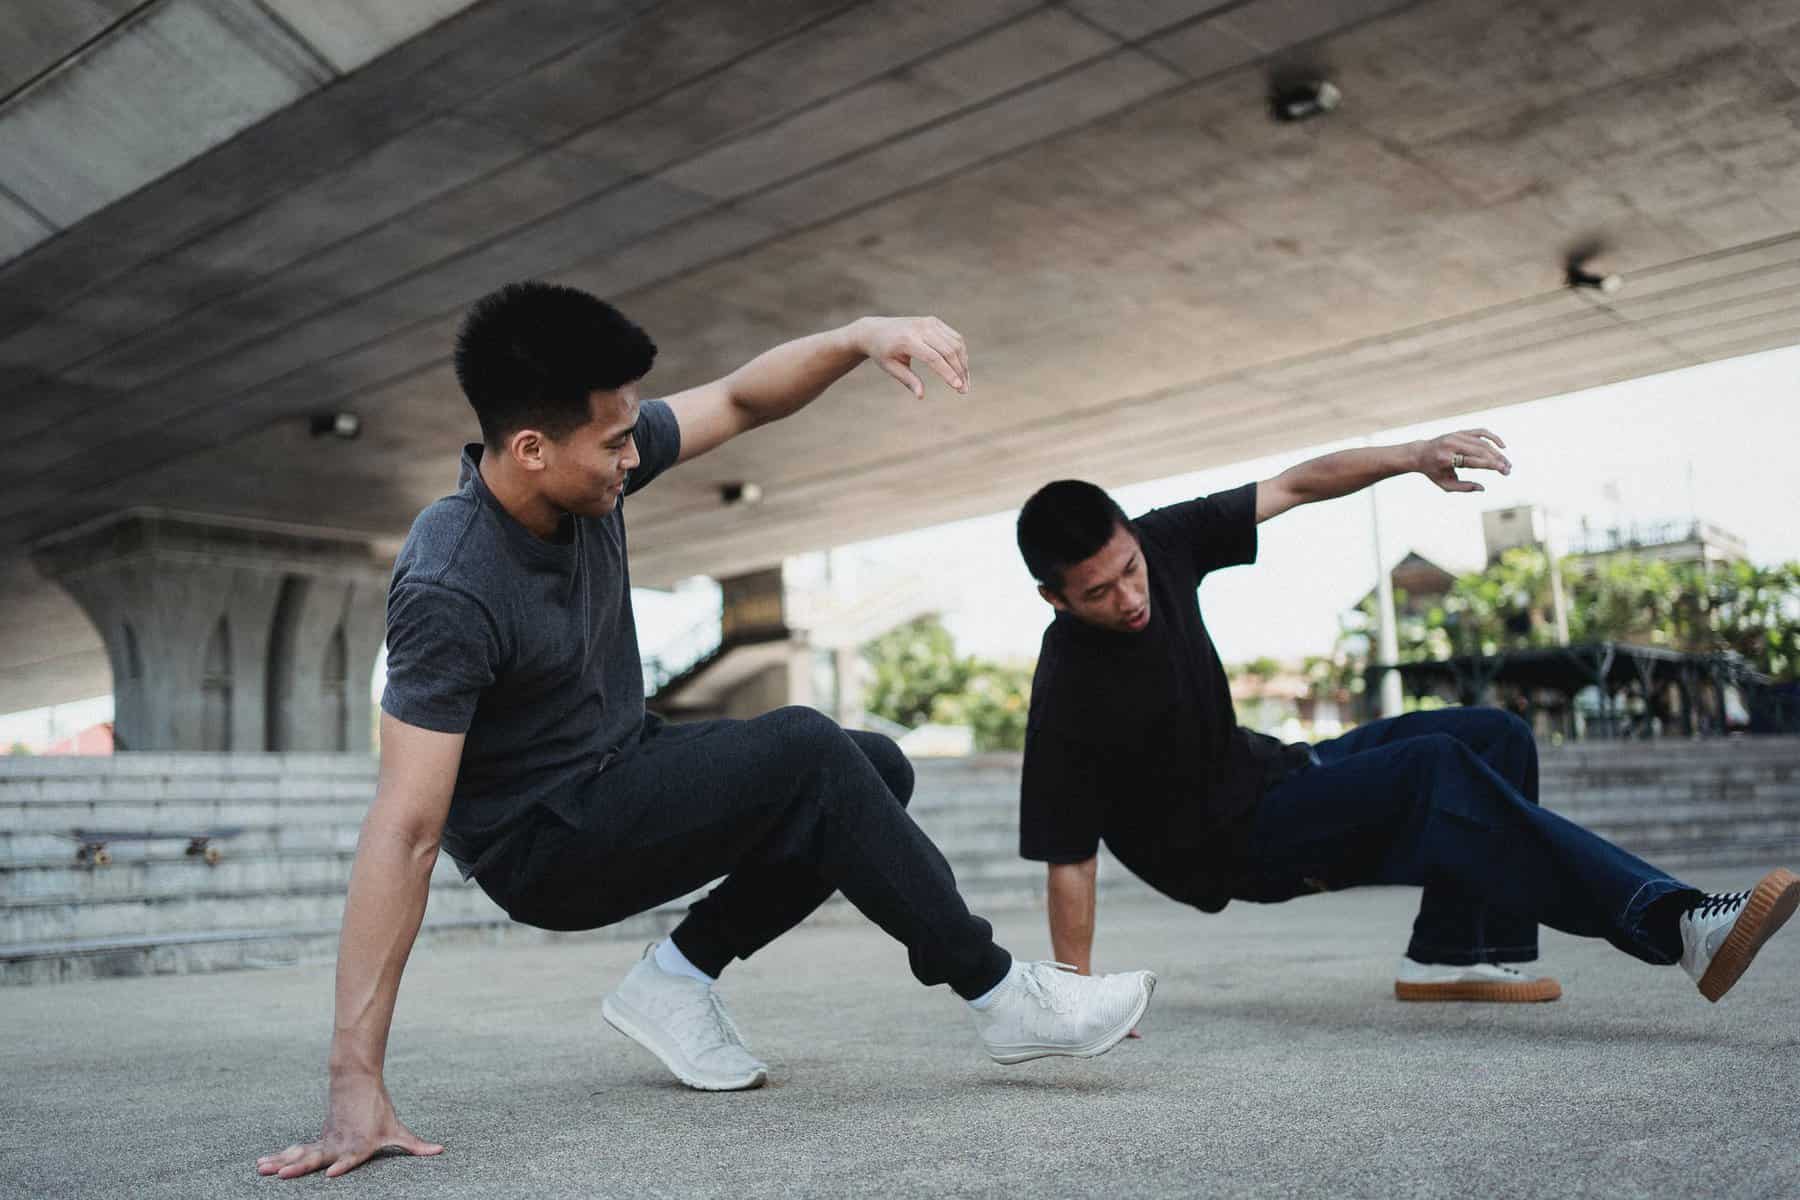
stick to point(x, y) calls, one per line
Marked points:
point(981, 1002)
point(670, 958)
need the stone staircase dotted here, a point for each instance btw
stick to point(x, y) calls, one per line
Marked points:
point(276, 895)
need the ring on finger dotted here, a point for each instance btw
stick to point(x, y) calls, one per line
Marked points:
point(1456, 461)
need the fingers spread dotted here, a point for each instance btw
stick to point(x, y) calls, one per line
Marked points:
point(936, 357)
point(1477, 453)
point(306, 1165)
point(955, 340)
point(899, 371)
point(345, 1162)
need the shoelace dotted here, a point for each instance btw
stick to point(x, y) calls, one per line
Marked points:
point(709, 1018)
point(1043, 984)
point(1713, 904)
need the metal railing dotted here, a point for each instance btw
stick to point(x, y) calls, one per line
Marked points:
point(681, 652)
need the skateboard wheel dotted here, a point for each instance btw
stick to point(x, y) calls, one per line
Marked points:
point(102, 856)
point(212, 855)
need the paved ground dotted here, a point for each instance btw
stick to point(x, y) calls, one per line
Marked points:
point(1275, 1063)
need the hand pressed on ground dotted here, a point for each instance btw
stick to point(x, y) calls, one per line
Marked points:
point(360, 1123)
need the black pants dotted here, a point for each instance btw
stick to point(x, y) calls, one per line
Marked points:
point(1449, 801)
point(789, 808)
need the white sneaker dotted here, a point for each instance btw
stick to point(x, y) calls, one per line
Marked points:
point(1721, 934)
point(1045, 1008)
point(682, 1021)
point(1491, 982)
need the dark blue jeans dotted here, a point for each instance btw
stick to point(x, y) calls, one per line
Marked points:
point(1448, 801)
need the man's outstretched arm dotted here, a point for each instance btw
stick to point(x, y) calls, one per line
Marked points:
point(782, 381)
point(389, 884)
point(1070, 904)
point(1334, 475)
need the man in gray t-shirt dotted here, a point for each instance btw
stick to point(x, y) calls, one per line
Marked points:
point(514, 734)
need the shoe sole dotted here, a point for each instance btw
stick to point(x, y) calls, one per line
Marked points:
point(1770, 905)
point(1537, 991)
point(626, 1020)
point(1093, 1049)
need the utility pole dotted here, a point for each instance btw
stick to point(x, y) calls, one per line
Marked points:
point(1387, 648)
point(1559, 600)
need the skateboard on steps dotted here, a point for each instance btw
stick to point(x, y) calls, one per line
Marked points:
point(91, 844)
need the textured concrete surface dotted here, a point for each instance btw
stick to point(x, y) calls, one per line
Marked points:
point(1275, 1063)
point(1092, 191)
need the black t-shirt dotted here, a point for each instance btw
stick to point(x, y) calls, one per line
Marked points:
point(1132, 737)
point(528, 646)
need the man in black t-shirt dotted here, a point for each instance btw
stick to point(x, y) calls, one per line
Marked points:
point(1132, 740)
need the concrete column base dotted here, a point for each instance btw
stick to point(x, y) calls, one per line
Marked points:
point(227, 634)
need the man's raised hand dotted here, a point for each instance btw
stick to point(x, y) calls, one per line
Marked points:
point(360, 1122)
point(898, 344)
point(1442, 457)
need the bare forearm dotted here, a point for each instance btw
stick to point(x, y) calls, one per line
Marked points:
point(1332, 475)
point(1071, 909)
point(389, 885)
point(780, 382)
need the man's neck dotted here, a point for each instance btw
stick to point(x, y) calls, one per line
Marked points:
point(521, 503)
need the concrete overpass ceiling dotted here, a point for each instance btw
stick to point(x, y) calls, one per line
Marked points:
point(1154, 276)
point(100, 97)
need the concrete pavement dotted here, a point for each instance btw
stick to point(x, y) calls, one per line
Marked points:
point(1275, 1063)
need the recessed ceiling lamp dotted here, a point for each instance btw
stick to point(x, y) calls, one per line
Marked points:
point(732, 494)
point(1304, 99)
point(1579, 276)
point(345, 425)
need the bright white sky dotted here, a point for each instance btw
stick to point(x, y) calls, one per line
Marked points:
point(1735, 422)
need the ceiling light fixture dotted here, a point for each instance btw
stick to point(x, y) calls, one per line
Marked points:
point(1304, 99)
point(345, 425)
point(1578, 276)
point(739, 493)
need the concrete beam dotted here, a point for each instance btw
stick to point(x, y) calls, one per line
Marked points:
point(163, 89)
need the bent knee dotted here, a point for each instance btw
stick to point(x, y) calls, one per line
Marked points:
point(799, 729)
point(1436, 751)
point(889, 761)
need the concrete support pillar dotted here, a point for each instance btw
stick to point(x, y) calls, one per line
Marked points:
point(325, 637)
point(228, 635)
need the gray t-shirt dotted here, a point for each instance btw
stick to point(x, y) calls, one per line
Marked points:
point(528, 646)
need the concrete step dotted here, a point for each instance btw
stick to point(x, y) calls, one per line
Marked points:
point(60, 816)
point(68, 959)
point(169, 875)
point(52, 919)
point(46, 848)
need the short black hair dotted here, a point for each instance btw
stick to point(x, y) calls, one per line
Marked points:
point(529, 355)
point(1062, 524)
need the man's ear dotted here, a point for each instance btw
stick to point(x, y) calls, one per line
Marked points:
point(526, 448)
point(1053, 599)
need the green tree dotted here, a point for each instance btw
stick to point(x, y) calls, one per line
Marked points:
point(919, 677)
point(994, 703)
point(914, 664)
point(1750, 610)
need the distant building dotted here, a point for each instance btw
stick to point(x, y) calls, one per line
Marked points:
point(95, 739)
point(1520, 527)
point(1674, 540)
point(1682, 540)
point(1418, 583)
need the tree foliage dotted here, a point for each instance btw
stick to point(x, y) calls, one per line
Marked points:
point(919, 677)
point(1739, 607)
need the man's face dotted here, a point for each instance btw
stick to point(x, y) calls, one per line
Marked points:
point(1110, 588)
point(585, 472)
